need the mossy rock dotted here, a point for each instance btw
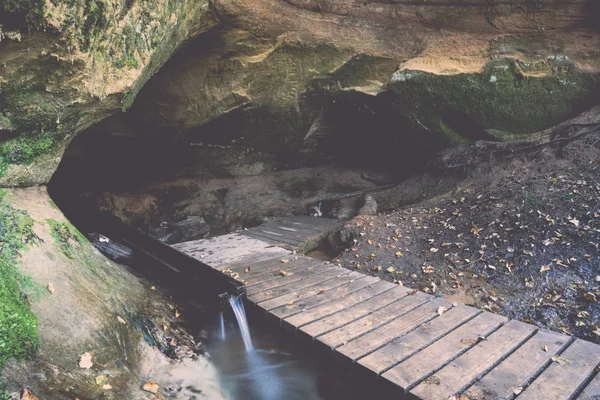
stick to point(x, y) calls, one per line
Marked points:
point(505, 97)
point(18, 325)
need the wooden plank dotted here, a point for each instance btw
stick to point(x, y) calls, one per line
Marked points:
point(316, 313)
point(296, 286)
point(284, 280)
point(258, 264)
point(375, 314)
point(316, 289)
point(592, 390)
point(426, 362)
point(351, 314)
point(561, 380)
point(274, 238)
point(227, 249)
point(290, 268)
point(379, 337)
point(461, 372)
point(517, 371)
point(336, 293)
point(404, 347)
point(297, 231)
point(271, 266)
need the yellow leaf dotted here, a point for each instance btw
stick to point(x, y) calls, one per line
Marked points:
point(151, 387)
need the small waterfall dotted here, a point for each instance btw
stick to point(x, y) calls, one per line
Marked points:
point(222, 321)
point(240, 314)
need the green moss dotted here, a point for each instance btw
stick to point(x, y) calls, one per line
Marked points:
point(18, 325)
point(63, 234)
point(503, 98)
point(22, 14)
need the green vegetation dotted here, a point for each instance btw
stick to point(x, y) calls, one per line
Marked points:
point(63, 233)
point(18, 325)
point(503, 98)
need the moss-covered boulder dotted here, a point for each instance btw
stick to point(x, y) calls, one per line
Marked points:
point(66, 64)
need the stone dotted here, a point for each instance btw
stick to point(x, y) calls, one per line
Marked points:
point(370, 206)
point(192, 228)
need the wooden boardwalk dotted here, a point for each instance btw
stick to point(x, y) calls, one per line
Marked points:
point(426, 346)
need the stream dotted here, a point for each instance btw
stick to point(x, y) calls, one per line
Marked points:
point(257, 364)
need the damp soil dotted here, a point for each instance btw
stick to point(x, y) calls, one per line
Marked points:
point(519, 238)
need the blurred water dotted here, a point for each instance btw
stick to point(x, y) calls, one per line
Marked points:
point(222, 325)
point(237, 305)
point(277, 367)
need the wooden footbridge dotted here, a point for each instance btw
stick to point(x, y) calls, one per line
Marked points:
point(425, 346)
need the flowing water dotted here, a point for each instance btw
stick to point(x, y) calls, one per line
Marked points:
point(237, 305)
point(222, 325)
point(258, 363)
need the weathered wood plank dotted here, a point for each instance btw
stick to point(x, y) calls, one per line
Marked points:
point(336, 293)
point(284, 280)
point(314, 290)
point(517, 370)
point(265, 267)
point(258, 264)
point(374, 316)
point(278, 271)
point(461, 372)
point(299, 232)
point(379, 337)
point(353, 313)
point(592, 390)
point(272, 237)
point(404, 347)
point(313, 314)
point(426, 362)
point(296, 286)
point(562, 379)
point(228, 249)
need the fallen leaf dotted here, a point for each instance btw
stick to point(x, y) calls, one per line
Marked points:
point(165, 328)
point(285, 261)
point(50, 288)
point(391, 269)
point(173, 342)
point(101, 380)
point(177, 314)
point(561, 360)
point(85, 361)
point(574, 221)
point(107, 387)
point(442, 310)
point(153, 288)
point(151, 387)
point(545, 268)
point(247, 270)
point(370, 241)
point(283, 273)
point(121, 320)
point(545, 349)
point(399, 254)
point(428, 269)
point(517, 390)
point(26, 394)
